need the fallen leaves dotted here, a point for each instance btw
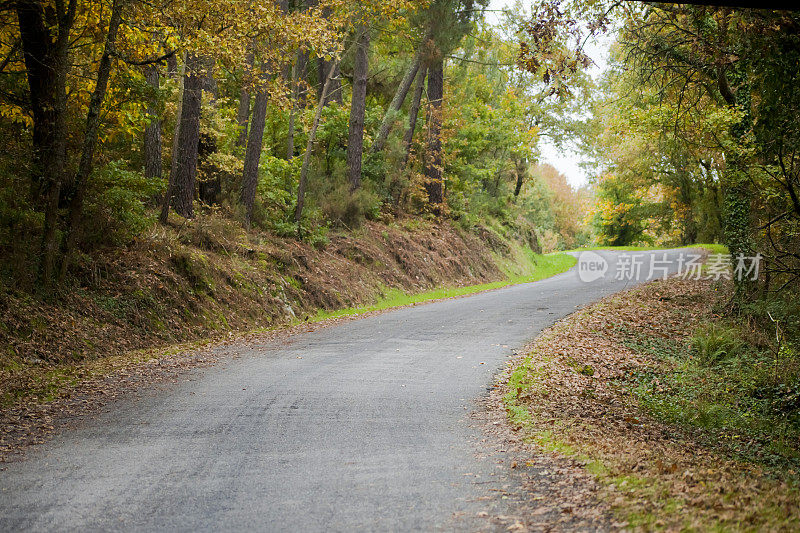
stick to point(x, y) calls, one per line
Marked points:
point(652, 475)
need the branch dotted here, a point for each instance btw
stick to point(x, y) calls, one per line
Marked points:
point(159, 59)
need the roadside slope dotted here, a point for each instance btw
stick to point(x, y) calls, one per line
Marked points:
point(681, 425)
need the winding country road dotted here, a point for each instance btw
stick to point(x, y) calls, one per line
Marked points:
point(358, 426)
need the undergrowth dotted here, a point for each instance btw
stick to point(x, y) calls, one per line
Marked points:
point(731, 385)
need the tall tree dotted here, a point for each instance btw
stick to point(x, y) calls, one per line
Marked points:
point(301, 188)
point(433, 164)
point(252, 155)
point(188, 137)
point(255, 140)
point(152, 133)
point(91, 134)
point(45, 45)
point(355, 138)
point(173, 169)
point(395, 105)
point(399, 97)
point(413, 113)
point(330, 69)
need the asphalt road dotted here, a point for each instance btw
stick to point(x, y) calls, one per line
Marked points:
point(359, 426)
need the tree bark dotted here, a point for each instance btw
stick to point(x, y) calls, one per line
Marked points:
point(152, 133)
point(520, 165)
point(252, 156)
point(91, 135)
point(189, 137)
point(175, 146)
point(243, 113)
point(330, 69)
point(355, 139)
point(172, 66)
point(46, 65)
point(397, 103)
point(413, 112)
point(433, 168)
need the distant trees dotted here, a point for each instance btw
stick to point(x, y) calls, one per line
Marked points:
point(699, 126)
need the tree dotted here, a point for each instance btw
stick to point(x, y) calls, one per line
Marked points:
point(188, 137)
point(46, 52)
point(397, 100)
point(152, 133)
point(243, 111)
point(91, 134)
point(413, 114)
point(433, 165)
point(355, 138)
point(252, 155)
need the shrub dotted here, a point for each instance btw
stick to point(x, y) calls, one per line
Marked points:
point(115, 207)
point(350, 209)
point(715, 343)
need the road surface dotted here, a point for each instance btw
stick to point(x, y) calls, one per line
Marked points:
point(358, 426)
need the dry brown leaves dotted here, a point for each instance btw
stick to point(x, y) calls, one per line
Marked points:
point(653, 476)
point(544, 491)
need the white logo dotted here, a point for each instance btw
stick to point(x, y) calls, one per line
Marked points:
point(591, 266)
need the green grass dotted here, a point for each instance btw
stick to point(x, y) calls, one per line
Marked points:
point(712, 248)
point(539, 267)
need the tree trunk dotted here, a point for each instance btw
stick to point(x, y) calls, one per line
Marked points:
point(397, 103)
point(46, 65)
point(433, 168)
point(252, 156)
point(520, 165)
point(301, 188)
point(292, 111)
point(243, 113)
point(91, 135)
point(172, 66)
point(175, 147)
point(152, 133)
point(413, 113)
point(355, 139)
point(330, 69)
point(189, 137)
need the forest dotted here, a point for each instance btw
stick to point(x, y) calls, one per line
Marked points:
point(290, 118)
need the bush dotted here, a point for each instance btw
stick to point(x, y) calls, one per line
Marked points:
point(340, 206)
point(715, 344)
point(115, 207)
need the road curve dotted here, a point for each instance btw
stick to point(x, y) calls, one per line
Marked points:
point(359, 426)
